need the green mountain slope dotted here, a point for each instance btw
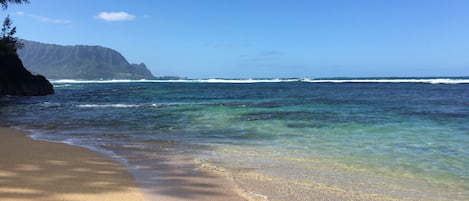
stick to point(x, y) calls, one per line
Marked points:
point(79, 62)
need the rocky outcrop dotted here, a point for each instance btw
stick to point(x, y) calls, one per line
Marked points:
point(17, 81)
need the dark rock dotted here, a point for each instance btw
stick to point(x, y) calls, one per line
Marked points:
point(17, 81)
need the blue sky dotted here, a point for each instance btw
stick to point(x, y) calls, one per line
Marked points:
point(262, 38)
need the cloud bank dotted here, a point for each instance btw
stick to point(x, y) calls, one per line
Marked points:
point(115, 16)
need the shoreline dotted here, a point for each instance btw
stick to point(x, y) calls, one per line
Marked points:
point(32, 169)
point(41, 170)
point(276, 141)
point(35, 169)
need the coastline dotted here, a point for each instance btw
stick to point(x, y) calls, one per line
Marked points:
point(40, 170)
point(35, 169)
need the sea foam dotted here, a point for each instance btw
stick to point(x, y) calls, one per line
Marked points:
point(402, 80)
point(109, 105)
point(122, 105)
point(275, 80)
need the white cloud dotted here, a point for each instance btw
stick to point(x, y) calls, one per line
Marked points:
point(51, 20)
point(44, 18)
point(115, 16)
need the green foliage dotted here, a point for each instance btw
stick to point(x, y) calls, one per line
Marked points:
point(6, 2)
point(8, 43)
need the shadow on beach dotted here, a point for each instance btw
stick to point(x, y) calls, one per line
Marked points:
point(38, 170)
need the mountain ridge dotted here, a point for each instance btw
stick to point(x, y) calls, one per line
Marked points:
point(79, 62)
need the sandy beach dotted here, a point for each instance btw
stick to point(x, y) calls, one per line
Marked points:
point(40, 170)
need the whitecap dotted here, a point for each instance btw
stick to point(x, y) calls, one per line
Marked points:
point(274, 80)
point(61, 85)
point(403, 80)
point(71, 81)
point(108, 105)
point(241, 81)
point(210, 80)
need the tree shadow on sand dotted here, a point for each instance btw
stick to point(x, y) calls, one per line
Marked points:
point(168, 172)
point(52, 171)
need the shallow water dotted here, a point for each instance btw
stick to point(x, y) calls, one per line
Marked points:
point(406, 140)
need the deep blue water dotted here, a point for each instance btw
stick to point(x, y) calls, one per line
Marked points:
point(406, 131)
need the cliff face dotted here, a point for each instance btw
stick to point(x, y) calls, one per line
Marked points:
point(16, 80)
point(79, 62)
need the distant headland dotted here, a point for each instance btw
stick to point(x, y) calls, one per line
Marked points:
point(79, 62)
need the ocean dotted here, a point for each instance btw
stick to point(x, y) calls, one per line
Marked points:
point(398, 138)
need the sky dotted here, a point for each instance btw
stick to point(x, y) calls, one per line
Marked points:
point(262, 38)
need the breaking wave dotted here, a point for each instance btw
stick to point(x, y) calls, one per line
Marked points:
point(59, 83)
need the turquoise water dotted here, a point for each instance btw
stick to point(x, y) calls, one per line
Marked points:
point(390, 131)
